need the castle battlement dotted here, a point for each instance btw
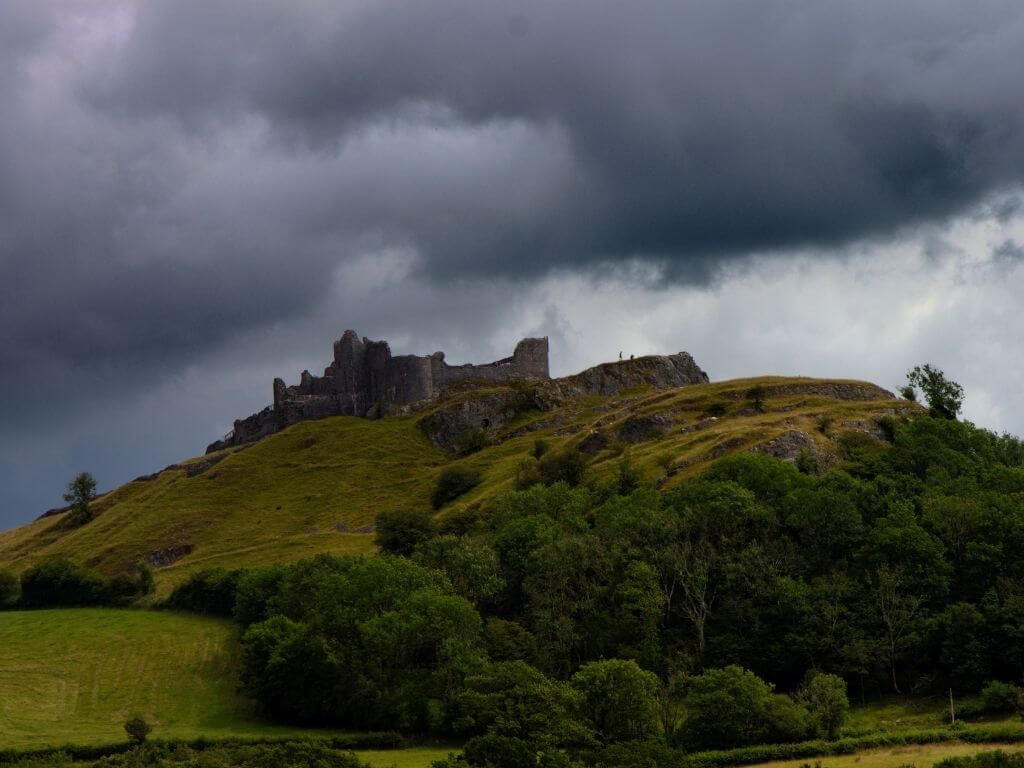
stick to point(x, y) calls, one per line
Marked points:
point(364, 379)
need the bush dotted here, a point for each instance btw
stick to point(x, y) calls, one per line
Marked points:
point(137, 729)
point(528, 475)
point(400, 530)
point(453, 482)
point(61, 583)
point(757, 395)
point(495, 751)
point(617, 699)
point(471, 440)
point(566, 466)
point(10, 589)
point(211, 592)
point(125, 588)
point(825, 698)
point(717, 409)
point(734, 707)
point(540, 447)
point(1001, 697)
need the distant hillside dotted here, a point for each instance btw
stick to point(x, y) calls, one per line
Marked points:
point(318, 485)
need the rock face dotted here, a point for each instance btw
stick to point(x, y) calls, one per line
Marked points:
point(657, 371)
point(488, 410)
point(365, 380)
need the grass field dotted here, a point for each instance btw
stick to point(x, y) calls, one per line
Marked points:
point(314, 486)
point(921, 756)
point(413, 757)
point(75, 676)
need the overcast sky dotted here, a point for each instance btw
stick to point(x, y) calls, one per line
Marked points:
point(199, 195)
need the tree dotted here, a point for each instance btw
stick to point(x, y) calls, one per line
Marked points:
point(618, 699)
point(452, 483)
point(137, 729)
point(81, 492)
point(756, 395)
point(511, 699)
point(824, 696)
point(400, 530)
point(944, 396)
point(10, 588)
point(733, 707)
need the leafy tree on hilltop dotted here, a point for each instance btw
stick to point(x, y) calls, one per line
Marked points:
point(81, 491)
point(945, 398)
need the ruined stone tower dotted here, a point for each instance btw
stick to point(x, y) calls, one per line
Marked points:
point(364, 379)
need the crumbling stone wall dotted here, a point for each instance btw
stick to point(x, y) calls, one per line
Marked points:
point(364, 379)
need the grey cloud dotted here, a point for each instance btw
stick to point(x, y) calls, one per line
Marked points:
point(177, 176)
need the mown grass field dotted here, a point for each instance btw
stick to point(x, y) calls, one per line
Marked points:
point(412, 757)
point(919, 755)
point(75, 675)
point(318, 486)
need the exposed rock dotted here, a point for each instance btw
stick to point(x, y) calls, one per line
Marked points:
point(637, 429)
point(791, 445)
point(162, 557)
point(486, 410)
point(836, 390)
point(658, 371)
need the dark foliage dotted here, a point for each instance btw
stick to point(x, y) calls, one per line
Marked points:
point(210, 592)
point(61, 583)
point(453, 482)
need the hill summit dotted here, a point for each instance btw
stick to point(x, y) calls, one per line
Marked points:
point(365, 379)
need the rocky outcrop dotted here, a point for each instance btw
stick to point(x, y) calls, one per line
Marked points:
point(792, 445)
point(657, 371)
point(488, 411)
point(491, 410)
point(365, 379)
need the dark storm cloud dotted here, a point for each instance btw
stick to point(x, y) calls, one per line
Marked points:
point(696, 130)
point(178, 174)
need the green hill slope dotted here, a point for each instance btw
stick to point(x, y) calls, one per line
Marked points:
point(75, 676)
point(319, 485)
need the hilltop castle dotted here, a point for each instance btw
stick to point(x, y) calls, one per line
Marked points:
point(365, 378)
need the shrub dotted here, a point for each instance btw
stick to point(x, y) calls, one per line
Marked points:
point(137, 729)
point(717, 410)
point(471, 440)
point(211, 591)
point(757, 395)
point(825, 423)
point(824, 696)
point(629, 477)
point(61, 582)
point(734, 707)
point(617, 699)
point(453, 482)
point(495, 751)
point(1001, 697)
point(400, 530)
point(10, 589)
point(540, 447)
point(125, 588)
point(566, 466)
point(528, 474)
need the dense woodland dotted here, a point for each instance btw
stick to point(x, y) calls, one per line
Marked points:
point(745, 606)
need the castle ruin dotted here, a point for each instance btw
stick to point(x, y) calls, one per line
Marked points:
point(365, 379)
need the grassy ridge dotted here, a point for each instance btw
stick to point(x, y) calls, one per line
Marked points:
point(75, 675)
point(312, 487)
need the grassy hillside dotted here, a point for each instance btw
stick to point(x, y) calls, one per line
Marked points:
point(318, 486)
point(75, 676)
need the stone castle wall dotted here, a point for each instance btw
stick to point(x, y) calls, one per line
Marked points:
point(365, 378)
